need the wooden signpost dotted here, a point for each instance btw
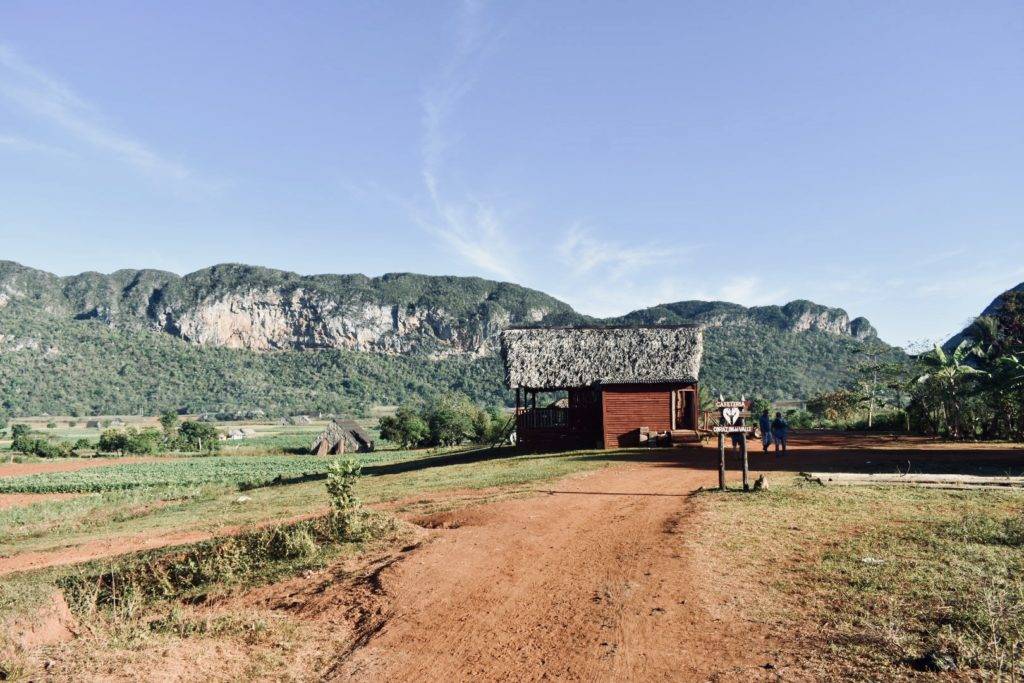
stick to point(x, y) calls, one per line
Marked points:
point(731, 422)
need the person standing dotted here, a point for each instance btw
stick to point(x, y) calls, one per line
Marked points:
point(765, 423)
point(780, 430)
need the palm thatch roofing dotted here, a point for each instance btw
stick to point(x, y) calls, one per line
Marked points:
point(342, 436)
point(564, 357)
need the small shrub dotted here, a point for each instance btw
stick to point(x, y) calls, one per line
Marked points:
point(342, 476)
point(292, 544)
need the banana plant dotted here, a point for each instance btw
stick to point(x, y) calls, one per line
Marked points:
point(948, 371)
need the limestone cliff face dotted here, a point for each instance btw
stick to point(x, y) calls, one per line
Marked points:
point(272, 320)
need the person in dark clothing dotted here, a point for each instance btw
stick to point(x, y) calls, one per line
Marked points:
point(780, 430)
point(765, 423)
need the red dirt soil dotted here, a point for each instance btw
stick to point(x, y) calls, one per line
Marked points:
point(592, 581)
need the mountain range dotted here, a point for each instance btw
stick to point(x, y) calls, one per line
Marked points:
point(233, 337)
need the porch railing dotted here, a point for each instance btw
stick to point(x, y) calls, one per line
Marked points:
point(542, 418)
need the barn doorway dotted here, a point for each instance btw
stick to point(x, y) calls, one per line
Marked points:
point(686, 409)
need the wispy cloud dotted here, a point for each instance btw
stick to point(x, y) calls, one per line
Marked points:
point(46, 97)
point(20, 144)
point(473, 228)
point(748, 290)
point(585, 254)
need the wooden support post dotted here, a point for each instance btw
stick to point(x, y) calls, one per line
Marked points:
point(721, 462)
point(746, 465)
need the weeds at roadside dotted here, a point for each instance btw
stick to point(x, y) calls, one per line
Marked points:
point(895, 580)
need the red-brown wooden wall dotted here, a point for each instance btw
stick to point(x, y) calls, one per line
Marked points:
point(628, 407)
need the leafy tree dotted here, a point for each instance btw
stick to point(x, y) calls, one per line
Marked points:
point(169, 423)
point(758, 406)
point(405, 428)
point(834, 405)
point(194, 435)
point(21, 441)
point(113, 441)
point(488, 425)
point(142, 442)
point(449, 422)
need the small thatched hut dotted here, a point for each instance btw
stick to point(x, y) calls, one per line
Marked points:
point(342, 436)
point(620, 381)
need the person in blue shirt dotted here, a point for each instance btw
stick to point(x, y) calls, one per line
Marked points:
point(780, 430)
point(765, 423)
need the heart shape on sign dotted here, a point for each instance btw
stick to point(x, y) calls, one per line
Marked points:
point(730, 415)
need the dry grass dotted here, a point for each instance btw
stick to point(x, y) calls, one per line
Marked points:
point(879, 582)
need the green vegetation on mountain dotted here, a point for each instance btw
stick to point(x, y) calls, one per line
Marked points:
point(234, 337)
point(776, 352)
point(88, 368)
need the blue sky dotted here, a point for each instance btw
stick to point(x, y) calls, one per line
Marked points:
point(616, 155)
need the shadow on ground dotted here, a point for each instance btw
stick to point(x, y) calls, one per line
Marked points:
point(808, 451)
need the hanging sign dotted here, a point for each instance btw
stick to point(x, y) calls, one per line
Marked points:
point(731, 412)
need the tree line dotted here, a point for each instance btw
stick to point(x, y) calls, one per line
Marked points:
point(972, 391)
point(191, 436)
point(448, 421)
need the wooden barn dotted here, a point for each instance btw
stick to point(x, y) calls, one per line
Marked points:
point(342, 436)
point(623, 383)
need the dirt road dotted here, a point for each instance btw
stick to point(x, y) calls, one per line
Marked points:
point(593, 580)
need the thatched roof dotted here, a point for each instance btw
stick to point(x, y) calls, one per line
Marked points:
point(342, 436)
point(562, 357)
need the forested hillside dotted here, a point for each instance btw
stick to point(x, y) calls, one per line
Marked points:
point(239, 337)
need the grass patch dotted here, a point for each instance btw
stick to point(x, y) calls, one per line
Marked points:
point(883, 579)
point(212, 506)
point(121, 591)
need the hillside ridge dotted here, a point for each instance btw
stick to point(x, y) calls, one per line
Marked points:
point(234, 336)
point(243, 306)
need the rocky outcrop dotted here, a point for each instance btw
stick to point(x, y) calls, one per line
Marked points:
point(803, 316)
point(796, 316)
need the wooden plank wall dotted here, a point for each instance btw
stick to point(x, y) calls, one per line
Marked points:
point(629, 407)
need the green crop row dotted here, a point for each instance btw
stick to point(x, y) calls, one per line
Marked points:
point(240, 471)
